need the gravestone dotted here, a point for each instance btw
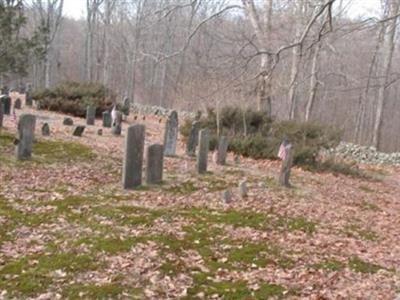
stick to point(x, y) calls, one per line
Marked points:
point(154, 166)
point(286, 166)
point(100, 131)
point(6, 100)
point(193, 139)
point(28, 98)
point(117, 124)
point(133, 157)
point(227, 196)
point(26, 135)
point(107, 119)
point(126, 106)
point(45, 129)
point(17, 103)
point(1, 114)
point(222, 149)
point(68, 122)
point(171, 134)
point(243, 188)
point(202, 155)
point(90, 115)
point(236, 159)
point(78, 131)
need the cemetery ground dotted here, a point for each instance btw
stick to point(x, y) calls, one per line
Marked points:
point(69, 230)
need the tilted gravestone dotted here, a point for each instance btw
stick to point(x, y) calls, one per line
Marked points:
point(154, 164)
point(286, 166)
point(126, 106)
point(222, 149)
point(45, 129)
point(90, 115)
point(193, 139)
point(133, 156)
point(26, 134)
point(17, 103)
point(6, 100)
point(68, 122)
point(171, 134)
point(78, 131)
point(1, 114)
point(28, 99)
point(202, 155)
point(227, 196)
point(243, 188)
point(107, 119)
point(117, 124)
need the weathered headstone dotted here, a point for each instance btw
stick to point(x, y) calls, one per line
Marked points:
point(90, 115)
point(6, 100)
point(236, 159)
point(1, 114)
point(26, 135)
point(202, 155)
point(133, 156)
point(68, 122)
point(117, 124)
point(78, 131)
point(154, 165)
point(45, 129)
point(243, 188)
point(17, 103)
point(193, 139)
point(107, 119)
point(222, 149)
point(287, 163)
point(100, 131)
point(28, 98)
point(126, 106)
point(171, 134)
point(227, 196)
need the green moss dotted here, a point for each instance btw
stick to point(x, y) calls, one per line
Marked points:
point(297, 223)
point(330, 265)
point(31, 275)
point(110, 245)
point(108, 291)
point(60, 151)
point(268, 291)
point(365, 205)
point(356, 231)
point(184, 188)
point(356, 264)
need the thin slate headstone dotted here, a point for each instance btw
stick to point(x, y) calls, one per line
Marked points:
point(222, 149)
point(286, 166)
point(17, 103)
point(100, 131)
point(126, 106)
point(154, 164)
point(78, 131)
point(117, 125)
point(90, 115)
point(193, 139)
point(227, 196)
point(133, 157)
point(45, 129)
point(243, 188)
point(26, 135)
point(68, 122)
point(6, 100)
point(1, 114)
point(28, 99)
point(107, 119)
point(171, 134)
point(202, 155)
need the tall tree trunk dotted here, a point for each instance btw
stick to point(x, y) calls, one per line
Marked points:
point(387, 54)
point(313, 82)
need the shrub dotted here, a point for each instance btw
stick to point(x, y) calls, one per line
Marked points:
point(254, 135)
point(73, 98)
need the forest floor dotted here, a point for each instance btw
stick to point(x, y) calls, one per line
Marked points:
point(69, 230)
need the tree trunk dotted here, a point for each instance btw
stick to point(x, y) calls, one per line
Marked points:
point(313, 82)
point(387, 54)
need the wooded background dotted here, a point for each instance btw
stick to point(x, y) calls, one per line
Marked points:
point(305, 60)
